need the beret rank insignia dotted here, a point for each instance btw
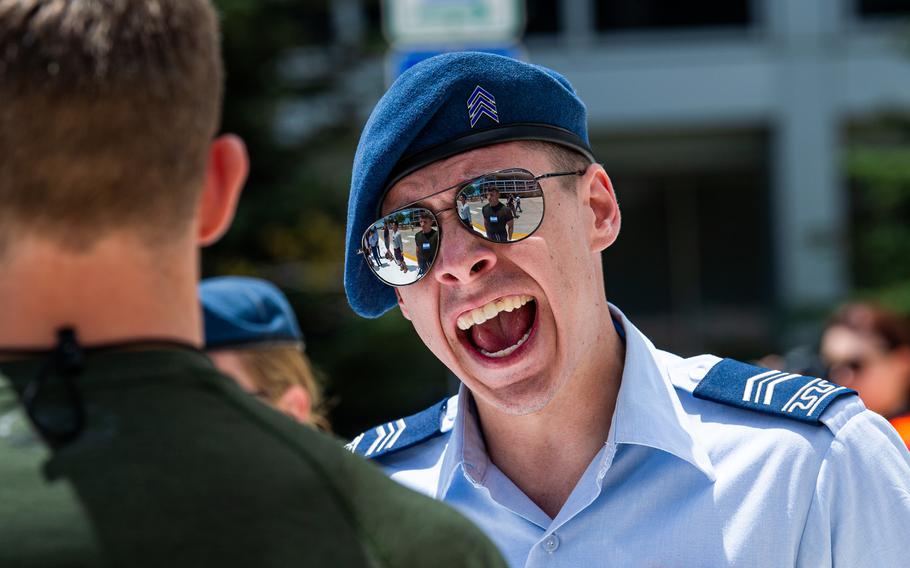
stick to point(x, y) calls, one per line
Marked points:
point(482, 103)
point(789, 395)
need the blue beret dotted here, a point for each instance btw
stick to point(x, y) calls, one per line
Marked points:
point(444, 106)
point(241, 311)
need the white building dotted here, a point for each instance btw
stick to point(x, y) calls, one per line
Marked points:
point(722, 125)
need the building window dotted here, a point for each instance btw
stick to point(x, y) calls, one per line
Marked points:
point(542, 17)
point(616, 15)
point(693, 264)
point(876, 8)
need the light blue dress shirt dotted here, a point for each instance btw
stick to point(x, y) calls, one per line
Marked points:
point(687, 482)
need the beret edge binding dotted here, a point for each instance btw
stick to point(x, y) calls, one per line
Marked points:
point(507, 133)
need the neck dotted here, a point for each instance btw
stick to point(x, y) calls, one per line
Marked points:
point(569, 431)
point(118, 290)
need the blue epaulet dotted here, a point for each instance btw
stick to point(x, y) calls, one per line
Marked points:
point(404, 432)
point(789, 395)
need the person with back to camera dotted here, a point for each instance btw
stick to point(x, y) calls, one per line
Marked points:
point(385, 238)
point(573, 441)
point(252, 336)
point(120, 443)
point(867, 348)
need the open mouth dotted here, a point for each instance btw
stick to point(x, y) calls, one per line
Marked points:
point(499, 328)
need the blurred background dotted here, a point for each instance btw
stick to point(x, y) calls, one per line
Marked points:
point(760, 150)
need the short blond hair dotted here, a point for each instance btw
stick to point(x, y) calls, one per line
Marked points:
point(276, 368)
point(107, 110)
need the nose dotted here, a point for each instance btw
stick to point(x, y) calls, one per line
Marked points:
point(462, 257)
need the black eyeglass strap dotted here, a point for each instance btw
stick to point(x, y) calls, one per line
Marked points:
point(61, 422)
point(66, 362)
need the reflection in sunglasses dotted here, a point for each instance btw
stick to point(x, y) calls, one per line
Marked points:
point(502, 207)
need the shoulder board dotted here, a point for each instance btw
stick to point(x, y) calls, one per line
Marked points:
point(773, 392)
point(405, 432)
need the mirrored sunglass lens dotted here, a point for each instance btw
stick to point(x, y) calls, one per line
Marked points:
point(400, 248)
point(503, 208)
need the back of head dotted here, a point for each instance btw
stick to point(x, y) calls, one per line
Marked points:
point(107, 109)
point(277, 368)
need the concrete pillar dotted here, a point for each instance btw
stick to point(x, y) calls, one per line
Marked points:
point(347, 22)
point(809, 193)
point(578, 22)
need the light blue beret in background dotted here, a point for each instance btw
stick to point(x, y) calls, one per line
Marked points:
point(240, 311)
point(444, 106)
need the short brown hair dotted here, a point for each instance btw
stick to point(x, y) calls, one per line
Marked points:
point(563, 159)
point(276, 368)
point(107, 109)
point(874, 321)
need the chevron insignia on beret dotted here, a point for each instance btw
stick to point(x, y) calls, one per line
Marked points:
point(402, 433)
point(789, 395)
point(482, 103)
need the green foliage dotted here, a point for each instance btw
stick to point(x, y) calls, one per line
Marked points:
point(879, 168)
point(290, 223)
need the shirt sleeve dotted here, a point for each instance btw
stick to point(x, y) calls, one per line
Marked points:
point(860, 513)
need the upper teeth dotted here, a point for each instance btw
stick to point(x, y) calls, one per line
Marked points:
point(489, 311)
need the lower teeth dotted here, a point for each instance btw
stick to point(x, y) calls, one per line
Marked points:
point(507, 350)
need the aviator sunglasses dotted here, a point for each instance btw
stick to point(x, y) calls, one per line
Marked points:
point(501, 207)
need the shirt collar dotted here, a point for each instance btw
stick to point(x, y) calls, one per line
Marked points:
point(466, 447)
point(648, 413)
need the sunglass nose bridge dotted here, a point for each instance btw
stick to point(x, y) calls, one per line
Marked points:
point(463, 257)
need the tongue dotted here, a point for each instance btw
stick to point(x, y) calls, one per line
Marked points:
point(503, 331)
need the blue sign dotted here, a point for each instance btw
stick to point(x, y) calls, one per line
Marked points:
point(400, 61)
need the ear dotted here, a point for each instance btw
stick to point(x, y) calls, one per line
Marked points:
point(295, 402)
point(598, 195)
point(225, 175)
point(401, 306)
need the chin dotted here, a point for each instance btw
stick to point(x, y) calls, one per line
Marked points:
point(519, 398)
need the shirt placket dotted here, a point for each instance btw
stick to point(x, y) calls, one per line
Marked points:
point(555, 547)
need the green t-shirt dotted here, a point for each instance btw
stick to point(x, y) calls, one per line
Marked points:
point(426, 245)
point(178, 467)
point(496, 218)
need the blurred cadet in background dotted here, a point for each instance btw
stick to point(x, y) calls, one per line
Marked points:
point(867, 348)
point(427, 241)
point(120, 443)
point(498, 219)
point(252, 335)
point(573, 441)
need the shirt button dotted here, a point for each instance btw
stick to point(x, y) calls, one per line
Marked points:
point(698, 373)
point(551, 543)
